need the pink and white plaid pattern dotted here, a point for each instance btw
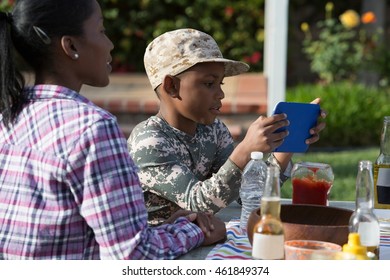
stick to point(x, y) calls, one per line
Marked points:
point(69, 189)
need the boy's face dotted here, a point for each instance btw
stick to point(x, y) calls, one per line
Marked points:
point(200, 94)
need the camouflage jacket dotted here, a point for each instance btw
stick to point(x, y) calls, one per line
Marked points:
point(181, 171)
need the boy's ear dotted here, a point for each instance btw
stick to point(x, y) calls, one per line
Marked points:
point(68, 47)
point(170, 86)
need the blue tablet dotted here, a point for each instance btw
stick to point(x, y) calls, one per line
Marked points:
point(302, 117)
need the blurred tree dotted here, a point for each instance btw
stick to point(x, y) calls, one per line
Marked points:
point(237, 26)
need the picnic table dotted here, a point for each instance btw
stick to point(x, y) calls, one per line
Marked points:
point(237, 246)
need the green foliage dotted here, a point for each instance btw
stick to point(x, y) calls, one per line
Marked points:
point(5, 5)
point(335, 55)
point(382, 61)
point(355, 112)
point(344, 47)
point(237, 26)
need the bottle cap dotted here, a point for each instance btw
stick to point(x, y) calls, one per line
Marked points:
point(256, 155)
point(354, 246)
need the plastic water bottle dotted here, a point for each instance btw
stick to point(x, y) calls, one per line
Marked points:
point(252, 187)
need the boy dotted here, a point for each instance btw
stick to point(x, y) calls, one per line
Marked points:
point(185, 154)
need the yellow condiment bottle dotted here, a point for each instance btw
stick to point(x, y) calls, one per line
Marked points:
point(354, 247)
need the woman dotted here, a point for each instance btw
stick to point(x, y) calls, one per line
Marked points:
point(69, 189)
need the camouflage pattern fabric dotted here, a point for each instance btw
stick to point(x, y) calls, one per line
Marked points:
point(181, 171)
point(177, 170)
point(176, 51)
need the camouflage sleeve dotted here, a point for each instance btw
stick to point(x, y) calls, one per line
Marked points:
point(284, 176)
point(163, 171)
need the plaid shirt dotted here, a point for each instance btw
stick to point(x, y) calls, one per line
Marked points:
point(69, 189)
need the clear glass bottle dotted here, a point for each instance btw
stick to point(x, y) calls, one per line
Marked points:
point(268, 233)
point(382, 169)
point(363, 219)
point(252, 187)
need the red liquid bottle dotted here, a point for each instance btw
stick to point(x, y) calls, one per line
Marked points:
point(311, 183)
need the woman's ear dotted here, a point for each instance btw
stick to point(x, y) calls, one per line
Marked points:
point(171, 86)
point(69, 48)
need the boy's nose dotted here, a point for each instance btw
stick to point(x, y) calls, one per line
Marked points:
point(221, 94)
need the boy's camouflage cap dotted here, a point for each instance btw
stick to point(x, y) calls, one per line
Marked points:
point(174, 52)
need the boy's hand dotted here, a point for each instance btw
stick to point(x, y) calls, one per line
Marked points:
point(261, 136)
point(319, 127)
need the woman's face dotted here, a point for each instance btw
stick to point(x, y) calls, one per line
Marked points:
point(94, 49)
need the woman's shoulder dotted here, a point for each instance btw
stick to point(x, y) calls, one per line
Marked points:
point(65, 102)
